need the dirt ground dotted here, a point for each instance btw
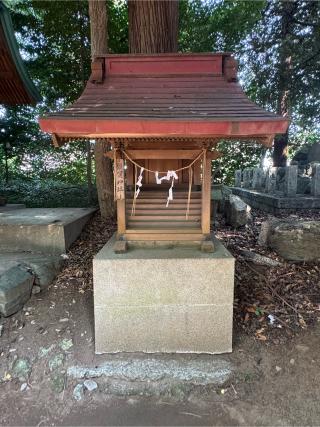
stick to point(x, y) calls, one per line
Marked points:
point(277, 371)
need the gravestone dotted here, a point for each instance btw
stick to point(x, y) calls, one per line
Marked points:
point(315, 180)
point(290, 181)
point(257, 178)
point(271, 180)
point(237, 178)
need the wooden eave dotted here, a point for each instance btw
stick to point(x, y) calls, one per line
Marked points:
point(15, 85)
point(165, 95)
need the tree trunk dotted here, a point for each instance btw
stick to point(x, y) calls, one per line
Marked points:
point(287, 10)
point(98, 27)
point(103, 165)
point(153, 26)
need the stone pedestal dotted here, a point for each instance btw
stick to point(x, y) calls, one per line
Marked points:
point(172, 299)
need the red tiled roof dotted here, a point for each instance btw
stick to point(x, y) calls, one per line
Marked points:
point(15, 85)
point(166, 94)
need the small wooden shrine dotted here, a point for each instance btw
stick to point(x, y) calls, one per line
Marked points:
point(163, 116)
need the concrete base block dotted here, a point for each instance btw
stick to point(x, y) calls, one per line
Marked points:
point(45, 230)
point(171, 300)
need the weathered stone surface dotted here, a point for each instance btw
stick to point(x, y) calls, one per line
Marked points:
point(237, 212)
point(271, 180)
point(293, 240)
point(258, 178)
point(43, 267)
point(259, 259)
point(185, 297)
point(276, 204)
point(315, 180)
point(43, 230)
point(202, 370)
point(238, 178)
point(303, 184)
point(290, 181)
point(15, 289)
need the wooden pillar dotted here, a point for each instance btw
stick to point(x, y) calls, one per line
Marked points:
point(120, 194)
point(206, 196)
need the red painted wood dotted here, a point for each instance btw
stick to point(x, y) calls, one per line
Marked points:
point(162, 128)
point(164, 64)
point(164, 95)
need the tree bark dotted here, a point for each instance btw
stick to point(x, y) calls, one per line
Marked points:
point(98, 27)
point(287, 11)
point(103, 165)
point(153, 26)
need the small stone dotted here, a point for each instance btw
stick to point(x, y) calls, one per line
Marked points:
point(278, 368)
point(65, 319)
point(1, 330)
point(66, 344)
point(78, 392)
point(292, 361)
point(21, 369)
point(90, 385)
point(56, 362)
point(24, 387)
point(36, 289)
point(57, 382)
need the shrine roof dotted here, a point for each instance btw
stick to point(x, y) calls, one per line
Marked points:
point(15, 85)
point(164, 95)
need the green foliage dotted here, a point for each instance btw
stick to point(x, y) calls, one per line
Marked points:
point(303, 138)
point(236, 155)
point(283, 55)
point(207, 26)
point(46, 194)
point(54, 38)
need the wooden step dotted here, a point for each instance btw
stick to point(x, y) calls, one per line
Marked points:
point(161, 225)
point(159, 231)
point(164, 217)
point(159, 206)
point(164, 211)
point(163, 200)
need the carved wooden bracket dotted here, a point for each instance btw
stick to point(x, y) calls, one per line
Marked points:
point(231, 69)
point(97, 71)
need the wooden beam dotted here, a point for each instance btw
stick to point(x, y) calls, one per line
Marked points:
point(121, 203)
point(163, 154)
point(56, 140)
point(206, 196)
point(214, 155)
point(109, 154)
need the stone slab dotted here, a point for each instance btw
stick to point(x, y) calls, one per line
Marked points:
point(274, 203)
point(44, 230)
point(156, 299)
point(15, 289)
